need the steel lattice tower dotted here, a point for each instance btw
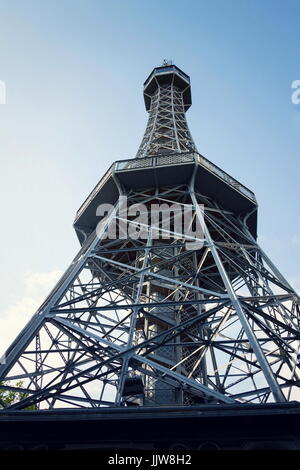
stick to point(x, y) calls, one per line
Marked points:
point(147, 320)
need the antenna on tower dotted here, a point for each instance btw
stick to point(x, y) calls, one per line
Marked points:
point(167, 62)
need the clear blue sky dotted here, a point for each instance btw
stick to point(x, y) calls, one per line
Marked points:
point(74, 72)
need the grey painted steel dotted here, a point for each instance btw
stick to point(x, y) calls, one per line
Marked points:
point(167, 129)
point(274, 386)
point(214, 324)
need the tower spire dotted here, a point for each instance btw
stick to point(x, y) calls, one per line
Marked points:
point(167, 95)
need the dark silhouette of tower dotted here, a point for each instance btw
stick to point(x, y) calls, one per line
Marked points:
point(151, 313)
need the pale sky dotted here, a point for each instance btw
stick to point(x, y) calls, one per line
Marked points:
point(74, 71)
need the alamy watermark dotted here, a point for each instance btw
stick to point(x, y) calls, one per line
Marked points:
point(295, 97)
point(157, 221)
point(2, 92)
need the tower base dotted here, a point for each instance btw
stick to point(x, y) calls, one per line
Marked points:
point(205, 427)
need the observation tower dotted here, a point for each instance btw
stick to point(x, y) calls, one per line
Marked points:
point(153, 314)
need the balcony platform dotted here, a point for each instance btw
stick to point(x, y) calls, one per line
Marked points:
point(162, 171)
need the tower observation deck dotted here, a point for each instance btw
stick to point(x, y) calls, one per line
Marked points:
point(152, 312)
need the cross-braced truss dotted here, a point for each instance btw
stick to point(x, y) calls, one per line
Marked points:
point(167, 129)
point(217, 323)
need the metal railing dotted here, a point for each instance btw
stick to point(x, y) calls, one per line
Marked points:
point(164, 160)
point(166, 70)
point(95, 191)
point(225, 177)
point(154, 161)
point(175, 158)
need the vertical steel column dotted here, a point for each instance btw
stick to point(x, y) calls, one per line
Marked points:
point(268, 373)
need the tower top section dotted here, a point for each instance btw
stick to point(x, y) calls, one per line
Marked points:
point(167, 94)
point(168, 74)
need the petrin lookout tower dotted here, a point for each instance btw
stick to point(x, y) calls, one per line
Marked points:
point(150, 321)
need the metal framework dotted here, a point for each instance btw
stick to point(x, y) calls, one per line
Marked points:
point(213, 324)
point(167, 129)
